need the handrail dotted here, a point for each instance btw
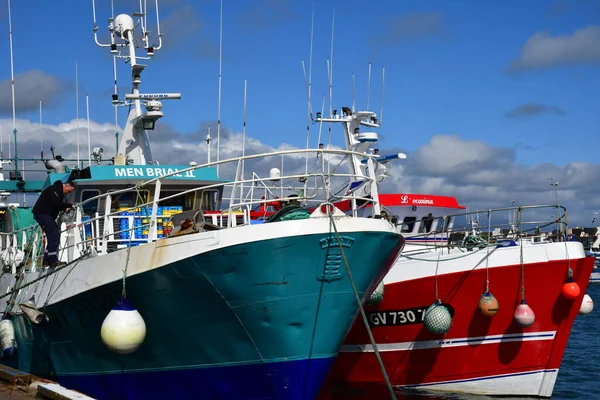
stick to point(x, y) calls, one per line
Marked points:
point(318, 180)
point(244, 158)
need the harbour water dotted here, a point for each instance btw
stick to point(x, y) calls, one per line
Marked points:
point(577, 379)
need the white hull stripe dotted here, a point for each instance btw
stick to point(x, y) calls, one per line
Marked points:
point(483, 378)
point(458, 342)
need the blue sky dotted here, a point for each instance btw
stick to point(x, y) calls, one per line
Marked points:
point(516, 83)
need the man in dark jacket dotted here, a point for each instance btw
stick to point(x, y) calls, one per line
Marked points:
point(45, 212)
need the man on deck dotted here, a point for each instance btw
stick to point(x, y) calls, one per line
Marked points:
point(45, 212)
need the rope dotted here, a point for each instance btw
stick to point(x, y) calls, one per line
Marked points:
point(437, 296)
point(569, 269)
point(521, 256)
point(138, 199)
point(487, 258)
point(51, 294)
point(44, 276)
point(360, 307)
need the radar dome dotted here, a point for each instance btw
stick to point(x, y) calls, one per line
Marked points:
point(123, 22)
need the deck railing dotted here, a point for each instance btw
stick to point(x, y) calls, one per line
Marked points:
point(108, 229)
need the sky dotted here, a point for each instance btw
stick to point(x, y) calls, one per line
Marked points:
point(488, 100)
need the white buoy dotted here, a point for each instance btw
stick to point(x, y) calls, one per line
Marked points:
point(7, 337)
point(587, 305)
point(524, 315)
point(123, 330)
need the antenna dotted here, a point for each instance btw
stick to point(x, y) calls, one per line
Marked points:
point(77, 108)
point(281, 174)
point(41, 133)
point(1, 145)
point(309, 85)
point(208, 143)
point(12, 78)
point(220, 78)
point(353, 95)
point(321, 124)
point(330, 65)
point(143, 26)
point(87, 110)
point(329, 71)
point(243, 141)
point(23, 177)
point(158, 27)
point(382, 92)
point(115, 101)
point(369, 87)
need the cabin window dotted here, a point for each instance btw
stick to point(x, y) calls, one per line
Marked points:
point(92, 206)
point(185, 201)
point(408, 224)
point(209, 200)
point(128, 199)
point(449, 222)
point(427, 223)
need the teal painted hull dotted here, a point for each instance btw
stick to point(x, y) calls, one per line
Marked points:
point(275, 301)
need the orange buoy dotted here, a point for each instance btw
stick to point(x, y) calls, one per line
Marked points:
point(488, 305)
point(571, 289)
point(524, 315)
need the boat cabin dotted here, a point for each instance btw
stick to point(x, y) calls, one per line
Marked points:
point(99, 191)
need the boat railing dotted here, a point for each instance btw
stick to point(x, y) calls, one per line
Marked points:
point(108, 230)
point(532, 224)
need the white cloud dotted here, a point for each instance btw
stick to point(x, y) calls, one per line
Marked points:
point(543, 50)
point(478, 175)
point(30, 87)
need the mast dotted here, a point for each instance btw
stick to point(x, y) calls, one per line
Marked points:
point(77, 109)
point(220, 78)
point(89, 139)
point(134, 141)
point(12, 80)
point(41, 133)
point(243, 142)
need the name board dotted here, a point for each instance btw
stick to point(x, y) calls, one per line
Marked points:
point(151, 172)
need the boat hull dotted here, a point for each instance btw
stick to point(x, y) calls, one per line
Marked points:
point(257, 317)
point(479, 354)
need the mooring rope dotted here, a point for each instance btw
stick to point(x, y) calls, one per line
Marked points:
point(361, 308)
point(521, 256)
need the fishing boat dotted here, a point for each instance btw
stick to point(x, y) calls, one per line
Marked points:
point(594, 251)
point(164, 292)
point(482, 309)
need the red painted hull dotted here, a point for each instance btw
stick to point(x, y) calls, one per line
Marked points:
point(476, 347)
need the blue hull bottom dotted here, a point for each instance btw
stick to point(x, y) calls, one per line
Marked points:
point(293, 380)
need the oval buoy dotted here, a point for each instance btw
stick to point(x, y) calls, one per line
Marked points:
point(7, 337)
point(488, 305)
point(377, 294)
point(571, 289)
point(524, 315)
point(438, 318)
point(123, 330)
point(587, 305)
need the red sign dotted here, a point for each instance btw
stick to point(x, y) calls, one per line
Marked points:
point(423, 200)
